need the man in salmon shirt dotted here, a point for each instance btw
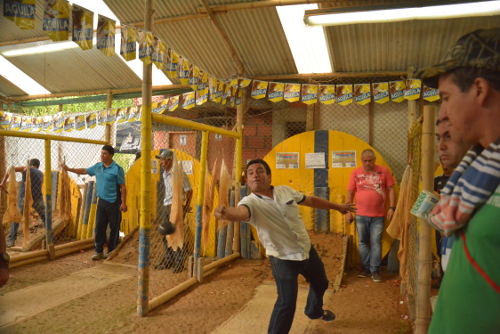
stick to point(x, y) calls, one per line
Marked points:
point(369, 184)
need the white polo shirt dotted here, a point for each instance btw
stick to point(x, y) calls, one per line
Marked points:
point(167, 179)
point(279, 223)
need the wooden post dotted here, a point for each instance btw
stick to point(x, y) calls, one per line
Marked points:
point(424, 254)
point(412, 105)
point(145, 218)
point(201, 197)
point(370, 122)
point(109, 104)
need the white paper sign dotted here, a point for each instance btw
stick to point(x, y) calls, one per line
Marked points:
point(315, 160)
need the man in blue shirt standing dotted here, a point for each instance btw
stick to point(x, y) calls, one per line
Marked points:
point(36, 193)
point(112, 199)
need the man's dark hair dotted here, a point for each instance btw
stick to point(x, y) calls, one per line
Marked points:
point(108, 148)
point(259, 161)
point(464, 77)
point(35, 163)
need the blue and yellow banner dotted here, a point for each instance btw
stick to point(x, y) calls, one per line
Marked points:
point(111, 117)
point(80, 122)
point(380, 92)
point(276, 91)
point(188, 100)
point(91, 120)
point(292, 92)
point(69, 124)
point(183, 71)
point(6, 119)
point(15, 125)
point(106, 35)
point(362, 94)
point(194, 77)
point(201, 97)
point(327, 94)
point(173, 103)
point(158, 53)
point(83, 27)
point(259, 89)
point(412, 90)
point(26, 123)
point(145, 46)
point(397, 89)
point(48, 123)
point(172, 64)
point(430, 94)
point(37, 124)
point(21, 12)
point(309, 94)
point(344, 94)
point(128, 47)
point(58, 122)
point(56, 19)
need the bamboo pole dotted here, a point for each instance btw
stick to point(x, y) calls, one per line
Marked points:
point(239, 162)
point(193, 125)
point(201, 196)
point(66, 251)
point(20, 134)
point(424, 254)
point(28, 256)
point(145, 210)
point(109, 104)
point(74, 244)
point(29, 261)
point(48, 194)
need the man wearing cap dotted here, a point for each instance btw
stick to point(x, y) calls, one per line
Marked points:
point(468, 79)
point(112, 199)
point(173, 259)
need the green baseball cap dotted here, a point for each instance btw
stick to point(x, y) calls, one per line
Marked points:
point(480, 48)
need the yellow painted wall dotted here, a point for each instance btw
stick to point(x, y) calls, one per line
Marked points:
point(130, 218)
point(302, 179)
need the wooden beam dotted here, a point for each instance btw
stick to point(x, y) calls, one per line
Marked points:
point(259, 4)
point(329, 75)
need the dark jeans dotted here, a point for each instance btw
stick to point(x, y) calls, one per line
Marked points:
point(39, 207)
point(286, 274)
point(370, 231)
point(107, 212)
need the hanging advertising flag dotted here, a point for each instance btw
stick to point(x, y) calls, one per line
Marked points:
point(91, 120)
point(309, 94)
point(58, 122)
point(83, 27)
point(111, 117)
point(430, 94)
point(233, 82)
point(159, 107)
point(80, 122)
point(412, 90)
point(259, 89)
point(344, 94)
point(121, 115)
point(239, 95)
point(276, 91)
point(69, 124)
point(227, 94)
point(232, 98)
point(106, 35)
point(292, 92)
point(242, 82)
point(6, 120)
point(380, 92)
point(362, 94)
point(21, 12)
point(172, 64)
point(158, 54)
point(188, 100)
point(173, 103)
point(145, 40)
point(183, 71)
point(131, 114)
point(203, 83)
point(194, 77)
point(327, 94)
point(138, 112)
point(201, 96)
point(212, 87)
point(15, 125)
point(220, 91)
point(102, 116)
point(397, 89)
point(56, 19)
point(48, 123)
point(37, 124)
point(128, 47)
point(26, 123)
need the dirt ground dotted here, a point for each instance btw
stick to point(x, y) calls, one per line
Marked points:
point(361, 305)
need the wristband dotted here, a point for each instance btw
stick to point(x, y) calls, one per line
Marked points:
point(393, 208)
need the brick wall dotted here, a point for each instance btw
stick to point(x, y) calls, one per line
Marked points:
point(257, 136)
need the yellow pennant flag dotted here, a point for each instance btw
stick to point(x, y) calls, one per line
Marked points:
point(158, 53)
point(327, 94)
point(15, 125)
point(173, 103)
point(430, 94)
point(397, 91)
point(69, 124)
point(380, 92)
point(111, 116)
point(276, 91)
point(212, 88)
point(233, 82)
point(21, 12)
point(259, 89)
point(227, 94)
point(239, 95)
point(37, 124)
point(203, 84)
point(242, 82)
point(91, 120)
point(412, 90)
point(128, 46)
point(58, 122)
point(201, 98)
point(362, 94)
point(292, 92)
point(145, 46)
point(80, 123)
point(159, 107)
point(344, 94)
point(106, 35)
point(183, 71)
point(188, 100)
point(309, 94)
point(194, 77)
point(56, 19)
point(26, 124)
point(102, 117)
point(172, 64)
point(48, 123)
point(6, 119)
point(83, 27)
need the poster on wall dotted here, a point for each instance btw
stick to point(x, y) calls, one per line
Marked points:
point(128, 137)
point(287, 160)
point(343, 159)
point(315, 160)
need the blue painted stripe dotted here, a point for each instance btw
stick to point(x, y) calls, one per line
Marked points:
point(321, 145)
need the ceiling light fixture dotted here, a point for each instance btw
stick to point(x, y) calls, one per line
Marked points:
point(411, 11)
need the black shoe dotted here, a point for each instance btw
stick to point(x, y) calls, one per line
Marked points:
point(376, 277)
point(328, 316)
point(364, 273)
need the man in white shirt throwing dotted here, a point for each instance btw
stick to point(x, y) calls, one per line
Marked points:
point(274, 212)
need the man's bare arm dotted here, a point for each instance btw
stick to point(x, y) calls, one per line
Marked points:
point(232, 214)
point(320, 203)
point(81, 171)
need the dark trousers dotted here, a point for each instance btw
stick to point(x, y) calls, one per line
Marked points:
point(107, 213)
point(286, 275)
point(39, 207)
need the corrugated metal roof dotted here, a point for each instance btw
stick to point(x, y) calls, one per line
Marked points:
point(10, 32)
point(76, 70)
point(7, 88)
